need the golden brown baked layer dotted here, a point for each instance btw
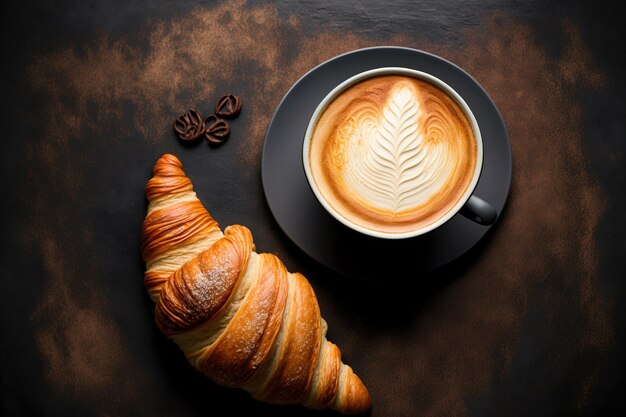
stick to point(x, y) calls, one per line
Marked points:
point(240, 317)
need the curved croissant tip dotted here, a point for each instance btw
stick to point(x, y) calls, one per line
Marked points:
point(169, 159)
point(356, 398)
point(168, 165)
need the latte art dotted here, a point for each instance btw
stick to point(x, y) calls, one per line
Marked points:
point(393, 153)
point(389, 163)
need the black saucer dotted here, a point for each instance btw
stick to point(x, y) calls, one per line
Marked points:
point(316, 232)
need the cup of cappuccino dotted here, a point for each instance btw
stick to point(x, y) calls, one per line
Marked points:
point(395, 153)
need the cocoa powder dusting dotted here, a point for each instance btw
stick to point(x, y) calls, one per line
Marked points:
point(544, 241)
point(468, 336)
point(82, 347)
point(546, 234)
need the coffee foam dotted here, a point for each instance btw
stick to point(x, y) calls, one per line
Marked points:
point(392, 153)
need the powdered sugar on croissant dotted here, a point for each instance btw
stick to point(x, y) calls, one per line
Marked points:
point(240, 317)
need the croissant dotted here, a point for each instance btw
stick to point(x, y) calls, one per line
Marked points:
point(240, 317)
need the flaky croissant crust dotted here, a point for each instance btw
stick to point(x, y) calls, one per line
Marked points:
point(240, 317)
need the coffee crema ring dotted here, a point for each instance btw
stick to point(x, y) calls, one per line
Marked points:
point(228, 106)
point(216, 129)
point(190, 125)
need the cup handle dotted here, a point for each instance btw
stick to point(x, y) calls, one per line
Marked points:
point(479, 210)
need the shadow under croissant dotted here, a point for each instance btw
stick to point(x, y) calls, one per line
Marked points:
point(192, 391)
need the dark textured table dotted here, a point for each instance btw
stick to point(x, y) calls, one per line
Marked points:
point(531, 323)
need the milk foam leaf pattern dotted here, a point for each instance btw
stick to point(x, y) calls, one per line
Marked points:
point(387, 159)
point(399, 155)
